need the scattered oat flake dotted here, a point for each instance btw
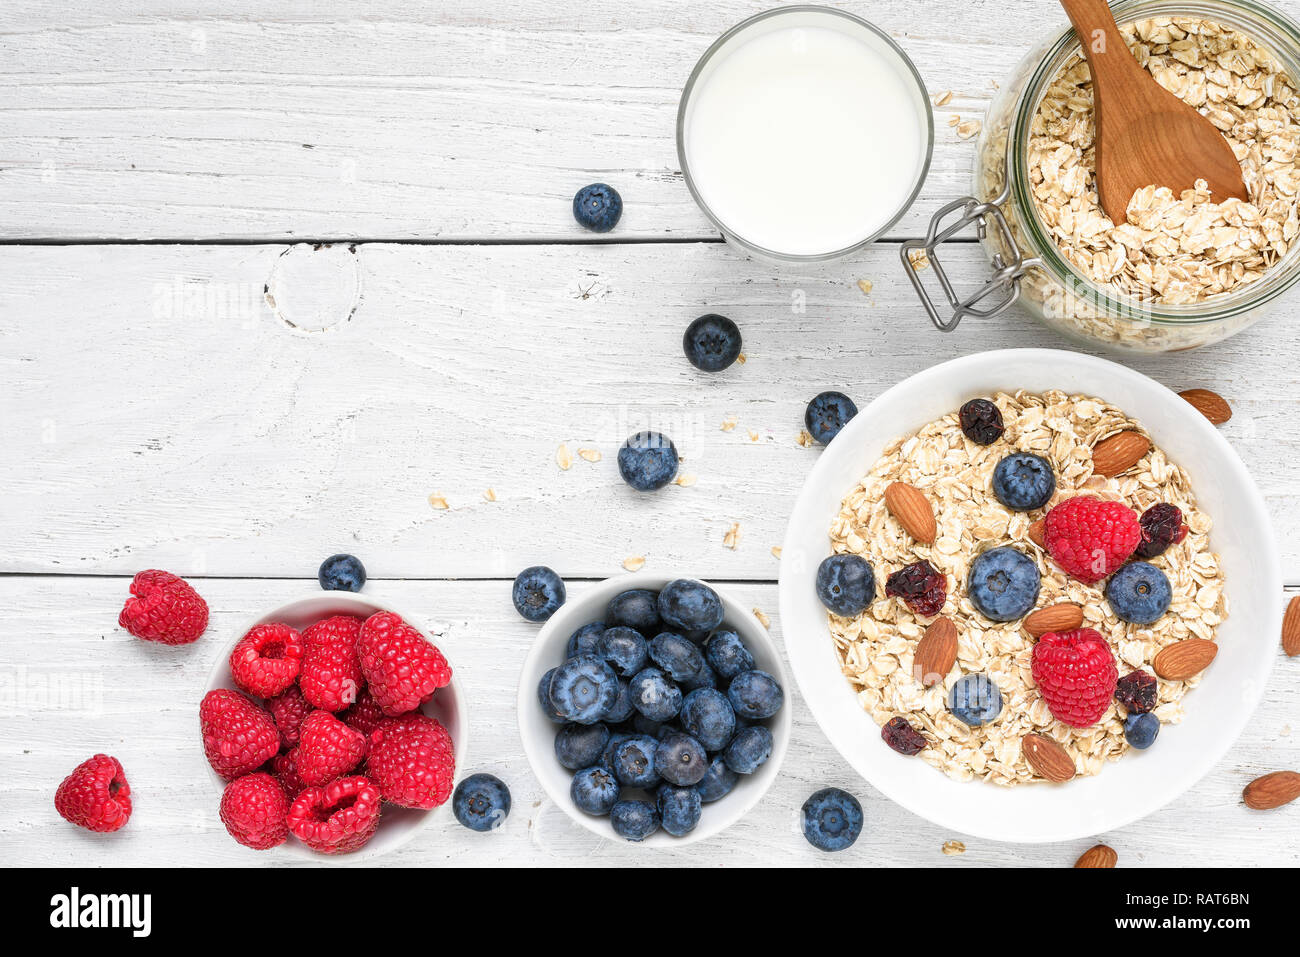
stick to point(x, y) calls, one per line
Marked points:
point(729, 424)
point(562, 458)
point(952, 848)
point(804, 439)
point(942, 99)
point(753, 436)
point(634, 563)
point(776, 551)
point(866, 286)
point(589, 455)
point(954, 120)
point(490, 495)
point(685, 481)
point(918, 258)
point(438, 502)
point(732, 538)
point(741, 359)
point(763, 619)
point(968, 129)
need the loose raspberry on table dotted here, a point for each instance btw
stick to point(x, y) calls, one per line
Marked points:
point(255, 809)
point(95, 795)
point(412, 760)
point(922, 586)
point(401, 666)
point(1076, 675)
point(1090, 538)
point(266, 660)
point(238, 736)
point(331, 674)
point(287, 711)
point(338, 818)
point(365, 715)
point(1138, 692)
point(163, 608)
point(327, 748)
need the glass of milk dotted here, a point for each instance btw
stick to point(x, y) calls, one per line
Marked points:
point(804, 133)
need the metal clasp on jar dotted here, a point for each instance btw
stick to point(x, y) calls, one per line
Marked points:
point(1007, 270)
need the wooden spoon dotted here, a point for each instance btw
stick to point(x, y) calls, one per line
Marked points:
point(1146, 136)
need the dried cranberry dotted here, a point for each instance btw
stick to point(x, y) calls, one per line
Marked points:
point(1136, 691)
point(921, 585)
point(1162, 526)
point(902, 737)
point(981, 420)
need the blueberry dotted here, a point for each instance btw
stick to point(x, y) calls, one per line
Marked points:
point(597, 207)
point(1139, 593)
point(708, 717)
point(537, 593)
point(678, 658)
point(634, 762)
point(846, 584)
point(712, 343)
point(749, 750)
point(341, 573)
point(634, 820)
point(621, 710)
point(583, 689)
point(827, 414)
point(975, 700)
point(832, 819)
point(681, 760)
point(594, 790)
point(704, 678)
point(481, 802)
point(690, 606)
point(580, 745)
point(1023, 481)
point(1140, 730)
point(1003, 584)
point(654, 696)
point(635, 608)
point(647, 461)
point(679, 809)
point(755, 695)
point(544, 698)
point(643, 725)
point(727, 655)
point(583, 641)
point(624, 649)
point(718, 780)
point(607, 756)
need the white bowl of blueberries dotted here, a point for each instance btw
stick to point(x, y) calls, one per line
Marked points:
point(653, 709)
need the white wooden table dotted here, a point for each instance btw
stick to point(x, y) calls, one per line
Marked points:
point(191, 382)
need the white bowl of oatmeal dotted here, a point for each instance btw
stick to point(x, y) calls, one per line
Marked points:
point(1057, 404)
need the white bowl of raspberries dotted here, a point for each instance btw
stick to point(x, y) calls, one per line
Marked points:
point(695, 731)
point(332, 727)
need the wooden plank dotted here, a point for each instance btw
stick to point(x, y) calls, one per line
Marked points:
point(139, 703)
point(192, 118)
point(161, 414)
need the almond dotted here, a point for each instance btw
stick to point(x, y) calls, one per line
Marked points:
point(913, 511)
point(1062, 617)
point(1048, 758)
point(1291, 628)
point(1099, 856)
point(1038, 533)
point(1184, 659)
point(936, 652)
point(1119, 453)
point(1210, 404)
point(1272, 790)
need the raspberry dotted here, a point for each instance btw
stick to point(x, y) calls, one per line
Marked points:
point(238, 736)
point(285, 767)
point(164, 608)
point(95, 796)
point(365, 715)
point(1137, 691)
point(266, 660)
point(401, 666)
point(412, 760)
point(337, 818)
point(331, 675)
point(328, 748)
point(1076, 675)
point(1090, 538)
point(288, 710)
point(921, 585)
point(254, 810)
point(1162, 526)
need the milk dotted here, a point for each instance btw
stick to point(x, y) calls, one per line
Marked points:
point(806, 139)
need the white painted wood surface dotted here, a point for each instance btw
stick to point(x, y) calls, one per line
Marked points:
point(236, 409)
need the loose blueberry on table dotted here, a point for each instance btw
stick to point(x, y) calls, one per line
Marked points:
point(342, 573)
point(712, 343)
point(831, 819)
point(481, 802)
point(826, 414)
point(538, 592)
point(598, 207)
point(695, 727)
point(648, 461)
